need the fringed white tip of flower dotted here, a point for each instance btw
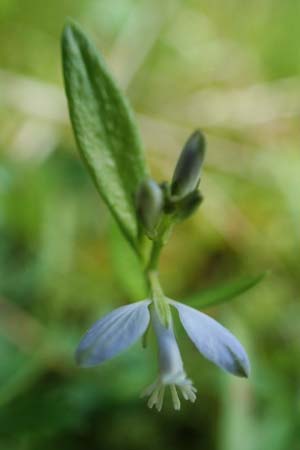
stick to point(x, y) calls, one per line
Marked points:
point(156, 392)
point(171, 371)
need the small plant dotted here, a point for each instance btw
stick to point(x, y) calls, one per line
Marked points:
point(110, 146)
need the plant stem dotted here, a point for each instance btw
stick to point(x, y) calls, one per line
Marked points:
point(151, 272)
point(154, 256)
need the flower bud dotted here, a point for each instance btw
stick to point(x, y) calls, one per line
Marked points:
point(187, 206)
point(187, 172)
point(149, 204)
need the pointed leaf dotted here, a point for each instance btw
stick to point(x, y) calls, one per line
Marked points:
point(225, 292)
point(214, 341)
point(104, 128)
point(113, 333)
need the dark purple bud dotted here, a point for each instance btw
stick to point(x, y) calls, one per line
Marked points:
point(187, 172)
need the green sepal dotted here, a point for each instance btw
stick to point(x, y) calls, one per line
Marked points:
point(187, 206)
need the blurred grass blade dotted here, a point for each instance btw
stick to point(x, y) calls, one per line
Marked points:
point(104, 128)
point(225, 292)
point(126, 266)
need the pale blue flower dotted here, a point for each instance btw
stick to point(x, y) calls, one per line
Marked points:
point(122, 327)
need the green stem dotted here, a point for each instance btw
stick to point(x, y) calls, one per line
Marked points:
point(151, 272)
point(163, 233)
point(154, 256)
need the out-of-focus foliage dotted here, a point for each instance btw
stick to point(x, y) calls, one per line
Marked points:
point(234, 71)
point(224, 292)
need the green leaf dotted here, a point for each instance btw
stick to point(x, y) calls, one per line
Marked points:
point(225, 292)
point(104, 128)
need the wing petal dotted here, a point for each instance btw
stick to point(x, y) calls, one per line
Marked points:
point(113, 333)
point(214, 341)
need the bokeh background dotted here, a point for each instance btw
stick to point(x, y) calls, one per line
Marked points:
point(231, 68)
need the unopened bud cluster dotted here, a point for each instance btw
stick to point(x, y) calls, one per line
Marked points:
point(176, 200)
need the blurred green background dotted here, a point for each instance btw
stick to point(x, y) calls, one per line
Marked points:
point(231, 68)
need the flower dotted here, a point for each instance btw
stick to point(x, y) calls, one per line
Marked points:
point(122, 327)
